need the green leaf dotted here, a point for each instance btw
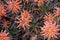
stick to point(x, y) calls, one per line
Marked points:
point(44, 8)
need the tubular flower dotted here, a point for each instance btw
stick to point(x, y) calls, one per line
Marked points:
point(5, 23)
point(40, 2)
point(57, 11)
point(49, 17)
point(2, 10)
point(25, 15)
point(50, 30)
point(4, 36)
point(14, 5)
point(24, 20)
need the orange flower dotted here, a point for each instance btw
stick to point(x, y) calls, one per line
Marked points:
point(50, 30)
point(25, 15)
point(5, 23)
point(40, 2)
point(14, 5)
point(49, 17)
point(2, 10)
point(27, 1)
point(24, 20)
point(57, 11)
point(4, 36)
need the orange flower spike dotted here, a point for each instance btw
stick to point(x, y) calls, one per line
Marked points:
point(58, 11)
point(4, 35)
point(50, 30)
point(23, 24)
point(5, 23)
point(2, 10)
point(40, 2)
point(24, 20)
point(25, 15)
point(49, 17)
point(14, 5)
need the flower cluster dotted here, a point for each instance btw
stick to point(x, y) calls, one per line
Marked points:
point(40, 2)
point(4, 35)
point(2, 10)
point(49, 17)
point(50, 30)
point(22, 19)
point(25, 19)
point(14, 5)
point(5, 24)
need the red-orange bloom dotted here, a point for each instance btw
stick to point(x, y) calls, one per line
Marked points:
point(2, 10)
point(57, 11)
point(27, 1)
point(5, 23)
point(50, 30)
point(25, 15)
point(40, 2)
point(35, 0)
point(49, 17)
point(4, 36)
point(24, 20)
point(14, 5)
